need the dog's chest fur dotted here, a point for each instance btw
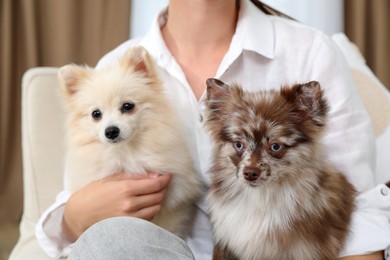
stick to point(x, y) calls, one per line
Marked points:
point(255, 222)
point(115, 158)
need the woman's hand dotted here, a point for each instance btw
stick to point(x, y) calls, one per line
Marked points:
point(116, 195)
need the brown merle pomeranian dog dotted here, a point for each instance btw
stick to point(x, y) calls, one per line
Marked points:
point(273, 196)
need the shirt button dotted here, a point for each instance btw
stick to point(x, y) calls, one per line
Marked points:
point(385, 191)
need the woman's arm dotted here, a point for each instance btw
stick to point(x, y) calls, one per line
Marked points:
point(113, 196)
point(374, 256)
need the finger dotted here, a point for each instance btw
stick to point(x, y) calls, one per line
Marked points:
point(148, 213)
point(147, 186)
point(125, 176)
point(137, 203)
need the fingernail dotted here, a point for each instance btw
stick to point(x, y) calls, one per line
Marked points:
point(153, 175)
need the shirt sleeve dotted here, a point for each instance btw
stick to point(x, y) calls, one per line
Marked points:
point(49, 231)
point(350, 147)
point(116, 53)
point(370, 228)
point(349, 137)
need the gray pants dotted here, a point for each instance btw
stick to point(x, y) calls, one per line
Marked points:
point(129, 238)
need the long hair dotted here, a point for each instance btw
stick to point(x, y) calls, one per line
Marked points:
point(269, 10)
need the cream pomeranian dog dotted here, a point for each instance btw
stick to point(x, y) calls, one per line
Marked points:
point(120, 120)
point(273, 195)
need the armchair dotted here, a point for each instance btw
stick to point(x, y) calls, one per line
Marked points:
point(43, 135)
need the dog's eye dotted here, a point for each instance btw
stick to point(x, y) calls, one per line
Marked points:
point(238, 146)
point(276, 147)
point(96, 114)
point(127, 107)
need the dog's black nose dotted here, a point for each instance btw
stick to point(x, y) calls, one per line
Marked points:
point(251, 173)
point(112, 132)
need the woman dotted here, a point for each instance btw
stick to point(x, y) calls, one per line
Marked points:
point(191, 41)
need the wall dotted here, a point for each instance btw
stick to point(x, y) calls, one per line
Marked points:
point(326, 15)
point(142, 14)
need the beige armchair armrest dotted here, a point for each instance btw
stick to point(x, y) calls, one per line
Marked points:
point(43, 153)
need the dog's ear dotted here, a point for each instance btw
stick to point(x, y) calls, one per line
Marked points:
point(216, 89)
point(309, 101)
point(70, 77)
point(138, 59)
point(218, 97)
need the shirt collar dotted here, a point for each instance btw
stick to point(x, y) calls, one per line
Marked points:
point(254, 33)
point(153, 40)
point(254, 30)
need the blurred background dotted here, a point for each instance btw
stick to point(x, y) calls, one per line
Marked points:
point(54, 33)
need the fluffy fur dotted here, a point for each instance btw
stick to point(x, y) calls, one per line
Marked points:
point(273, 196)
point(120, 120)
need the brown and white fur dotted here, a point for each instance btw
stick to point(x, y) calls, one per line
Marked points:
point(273, 195)
point(120, 120)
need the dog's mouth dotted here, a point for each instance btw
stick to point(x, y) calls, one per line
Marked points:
point(255, 181)
point(114, 141)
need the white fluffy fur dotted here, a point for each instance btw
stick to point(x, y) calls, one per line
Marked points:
point(150, 139)
point(256, 213)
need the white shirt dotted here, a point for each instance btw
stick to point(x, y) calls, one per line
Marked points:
point(267, 52)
